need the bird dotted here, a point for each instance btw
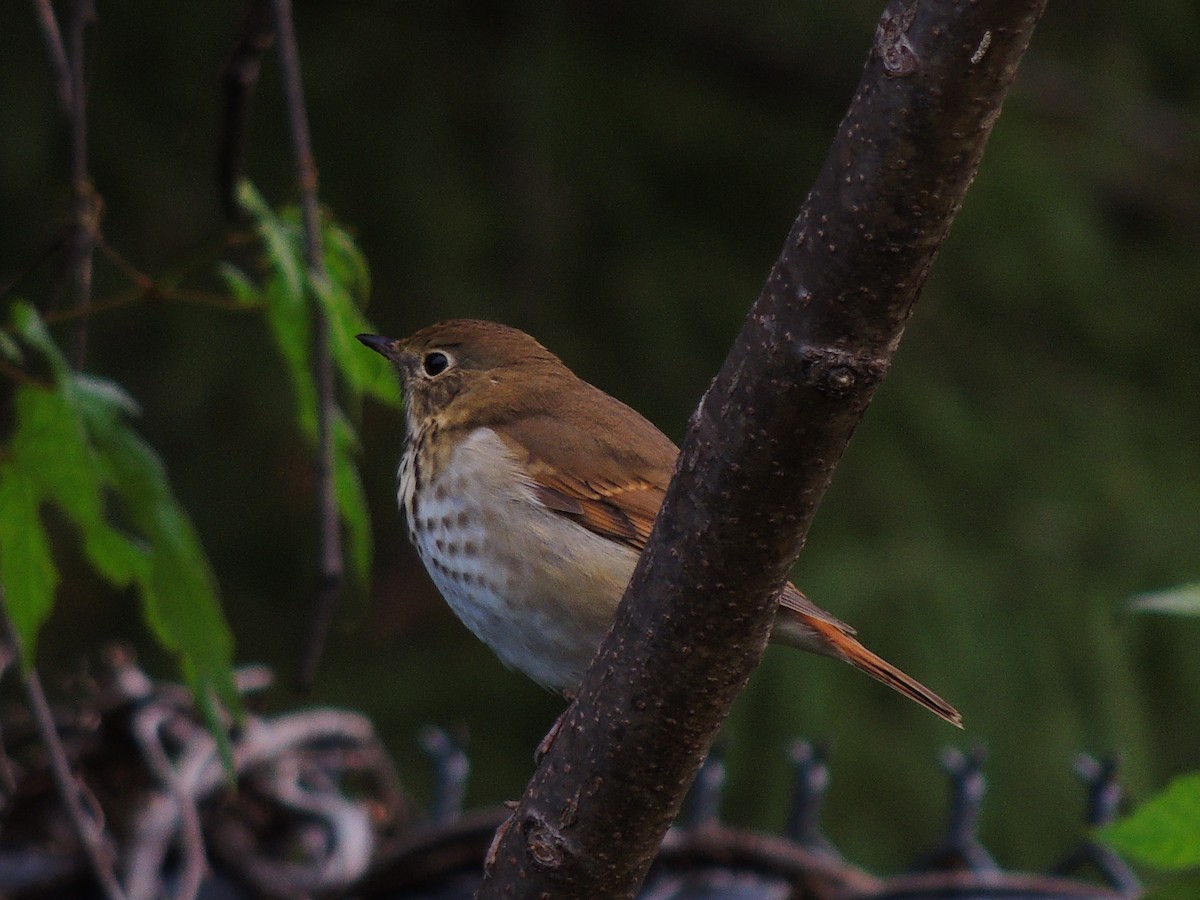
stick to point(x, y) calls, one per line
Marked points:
point(529, 495)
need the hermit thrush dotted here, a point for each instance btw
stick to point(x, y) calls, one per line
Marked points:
point(529, 494)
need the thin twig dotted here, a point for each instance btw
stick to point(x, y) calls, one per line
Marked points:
point(56, 51)
point(156, 292)
point(67, 63)
point(85, 207)
point(239, 79)
point(87, 830)
point(8, 777)
point(132, 272)
point(330, 548)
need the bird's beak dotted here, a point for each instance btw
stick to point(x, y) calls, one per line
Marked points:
point(384, 346)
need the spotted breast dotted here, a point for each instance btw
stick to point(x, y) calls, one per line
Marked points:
point(540, 597)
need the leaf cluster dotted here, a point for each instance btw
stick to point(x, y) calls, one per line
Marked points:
point(286, 294)
point(73, 447)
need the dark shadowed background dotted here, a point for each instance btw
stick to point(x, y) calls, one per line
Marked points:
point(617, 179)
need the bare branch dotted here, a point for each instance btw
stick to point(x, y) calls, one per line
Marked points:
point(761, 448)
point(88, 831)
point(56, 51)
point(239, 79)
point(67, 66)
point(329, 576)
point(85, 205)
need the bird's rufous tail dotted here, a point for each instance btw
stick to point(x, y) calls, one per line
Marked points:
point(817, 635)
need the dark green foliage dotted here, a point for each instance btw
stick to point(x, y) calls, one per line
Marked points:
point(286, 296)
point(72, 447)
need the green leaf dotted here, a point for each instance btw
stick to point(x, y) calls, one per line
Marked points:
point(50, 458)
point(179, 593)
point(288, 286)
point(28, 575)
point(281, 239)
point(288, 319)
point(108, 392)
point(346, 263)
point(1165, 830)
point(1179, 601)
point(72, 446)
point(362, 372)
point(30, 328)
point(240, 285)
point(176, 584)
point(288, 315)
point(341, 296)
point(10, 349)
point(50, 446)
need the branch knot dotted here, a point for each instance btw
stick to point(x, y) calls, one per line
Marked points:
point(836, 373)
point(892, 45)
point(546, 845)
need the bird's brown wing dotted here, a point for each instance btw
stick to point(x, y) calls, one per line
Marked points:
point(601, 464)
point(621, 512)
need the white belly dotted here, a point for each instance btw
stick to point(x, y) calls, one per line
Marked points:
point(538, 589)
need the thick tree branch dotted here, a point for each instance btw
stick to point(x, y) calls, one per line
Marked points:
point(761, 448)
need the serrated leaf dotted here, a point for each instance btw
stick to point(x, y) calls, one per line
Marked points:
point(106, 391)
point(1163, 832)
point(28, 575)
point(1179, 601)
point(360, 371)
point(340, 297)
point(289, 324)
point(51, 457)
point(346, 263)
point(71, 445)
point(287, 287)
point(120, 558)
point(10, 349)
point(280, 237)
point(50, 446)
point(31, 329)
point(178, 589)
point(240, 285)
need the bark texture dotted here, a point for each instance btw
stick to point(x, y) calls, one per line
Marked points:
point(760, 450)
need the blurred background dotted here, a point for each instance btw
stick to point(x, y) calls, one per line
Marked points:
point(617, 179)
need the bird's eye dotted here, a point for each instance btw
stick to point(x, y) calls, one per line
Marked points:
point(435, 363)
